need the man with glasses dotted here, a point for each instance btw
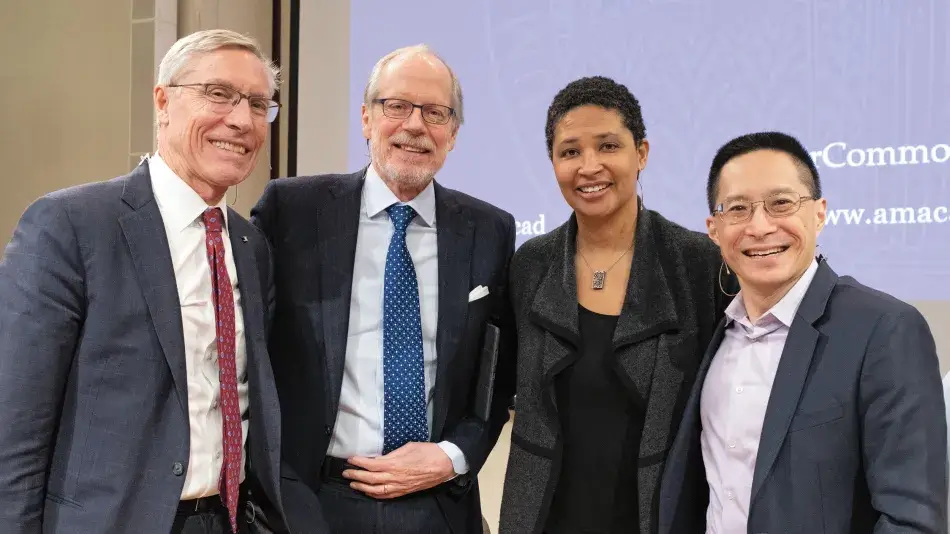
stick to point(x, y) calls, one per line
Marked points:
point(136, 392)
point(819, 405)
point(385, 283)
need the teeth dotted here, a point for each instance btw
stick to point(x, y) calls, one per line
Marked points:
point(765, 252)
point(594, 188)
point(412, 149)
point(230, 147)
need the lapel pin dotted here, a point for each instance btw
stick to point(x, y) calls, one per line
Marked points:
point(244, 238)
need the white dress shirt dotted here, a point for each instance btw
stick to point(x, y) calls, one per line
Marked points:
point(181, 210)
point(734, 398)
point(359, 424)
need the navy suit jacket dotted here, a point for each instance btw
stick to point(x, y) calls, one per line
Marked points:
point(855, 434)
point(94, 432)
point(312, 224)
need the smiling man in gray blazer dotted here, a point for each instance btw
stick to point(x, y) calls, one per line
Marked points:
point(136, 394)
point(818, 407)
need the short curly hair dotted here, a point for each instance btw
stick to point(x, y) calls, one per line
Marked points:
point(596, 91)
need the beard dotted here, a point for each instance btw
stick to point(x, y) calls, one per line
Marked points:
point(409, 176)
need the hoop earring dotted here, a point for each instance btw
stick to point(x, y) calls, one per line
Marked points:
point(640, 187)
point(719, 278)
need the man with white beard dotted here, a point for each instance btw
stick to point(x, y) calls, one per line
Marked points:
point(385, 284)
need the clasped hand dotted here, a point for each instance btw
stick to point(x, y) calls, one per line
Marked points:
point(408, 469)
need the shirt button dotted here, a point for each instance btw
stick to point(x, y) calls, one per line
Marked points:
point(218, 455)
point(732, 445)
point(178, 469)
point(214, 404)
point(730, 495)
point(739, 389)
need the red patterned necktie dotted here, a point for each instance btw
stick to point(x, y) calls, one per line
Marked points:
point(224, 318)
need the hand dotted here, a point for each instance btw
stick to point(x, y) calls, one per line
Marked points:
point(408, 469)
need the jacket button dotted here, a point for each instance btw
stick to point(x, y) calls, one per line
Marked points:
point(327, 430)
point(178, 469)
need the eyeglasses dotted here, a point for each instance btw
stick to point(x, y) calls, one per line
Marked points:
point(395, 108)
point(777, 205)
point(225, 99)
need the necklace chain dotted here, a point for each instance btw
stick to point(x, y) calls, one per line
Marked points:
point(600, 277)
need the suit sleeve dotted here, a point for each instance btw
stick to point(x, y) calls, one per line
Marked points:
point(904, 427)
point(42, 291)
point(474, 437)
point(302, 511)
point(263, 216)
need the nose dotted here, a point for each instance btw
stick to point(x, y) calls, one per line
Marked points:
point(761, 223)
point(240, 117)
point(590, 163)
point(414, 122)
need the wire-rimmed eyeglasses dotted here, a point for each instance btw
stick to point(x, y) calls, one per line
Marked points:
point(226, 98)
point(396, 108)
point(781, 204)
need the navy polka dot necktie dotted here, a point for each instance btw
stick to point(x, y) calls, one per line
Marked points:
point(404, 406)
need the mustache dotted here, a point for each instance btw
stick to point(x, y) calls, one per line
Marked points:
point(420, 142)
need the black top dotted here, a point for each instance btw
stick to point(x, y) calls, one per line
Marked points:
point(600, 431)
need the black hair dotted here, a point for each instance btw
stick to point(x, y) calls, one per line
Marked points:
point(596, 91)
point(763, 141)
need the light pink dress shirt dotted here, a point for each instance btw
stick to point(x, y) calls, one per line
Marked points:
point(734, 398)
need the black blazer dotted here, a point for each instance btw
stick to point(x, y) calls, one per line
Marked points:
point(855, 433)
point(312, 224)
point(671, 309)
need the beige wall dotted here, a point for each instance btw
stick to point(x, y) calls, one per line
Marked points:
point(65, 98)
point(76, 90)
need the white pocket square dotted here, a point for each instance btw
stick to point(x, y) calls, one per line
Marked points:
point(477, 293)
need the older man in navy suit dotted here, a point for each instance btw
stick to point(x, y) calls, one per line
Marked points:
point(136, 393)
point(386, 282)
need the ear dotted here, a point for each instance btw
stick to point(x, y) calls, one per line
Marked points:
point(644, 152)
point(364, 113)
point(821, 212)
point(450, 142)
point(160, 98)
point(712, 229)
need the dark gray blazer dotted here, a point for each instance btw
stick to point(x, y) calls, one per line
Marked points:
point(312, 223)
point(855, 434)
point(671, 309)
point(93, 393)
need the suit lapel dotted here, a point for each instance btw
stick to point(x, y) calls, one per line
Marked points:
point(454, 234)
point(243, 243)
point(148, 246)
point(792, 372)
point(648, 312)
point(337, 227)
point(555, 307)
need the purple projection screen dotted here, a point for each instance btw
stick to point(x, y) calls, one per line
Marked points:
point(865, 85)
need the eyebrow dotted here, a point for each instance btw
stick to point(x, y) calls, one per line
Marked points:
point(769, 193)
point(605, 135)
point(219, 81)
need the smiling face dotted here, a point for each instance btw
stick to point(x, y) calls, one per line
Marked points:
point(409, 152)
point(768, 253)
point(212, 147)
point(597, 161)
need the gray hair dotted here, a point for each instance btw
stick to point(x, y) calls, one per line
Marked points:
point(203, 42)
point(372, 86)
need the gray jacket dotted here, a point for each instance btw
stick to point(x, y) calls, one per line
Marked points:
point(670, 312)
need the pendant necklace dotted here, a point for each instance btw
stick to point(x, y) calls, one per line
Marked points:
point(600, 277)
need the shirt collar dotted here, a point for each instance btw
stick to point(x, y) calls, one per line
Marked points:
point(785, 309)
point(179, 204)
point(377, 197)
